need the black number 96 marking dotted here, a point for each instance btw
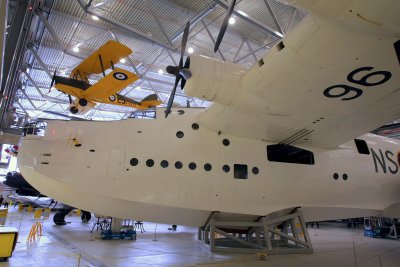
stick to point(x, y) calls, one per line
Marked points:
point(363, 81)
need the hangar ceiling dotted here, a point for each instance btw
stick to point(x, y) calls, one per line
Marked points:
point(66, 32)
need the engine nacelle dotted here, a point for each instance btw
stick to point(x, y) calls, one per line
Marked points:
point(214, 80)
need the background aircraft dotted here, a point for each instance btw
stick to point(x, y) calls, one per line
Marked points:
point(105, 90)
point(28, 195)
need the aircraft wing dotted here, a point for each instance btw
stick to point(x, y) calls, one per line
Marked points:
point(323, 85)
point(110, 53)
point(112, 83)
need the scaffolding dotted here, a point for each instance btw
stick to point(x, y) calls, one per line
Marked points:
point(282, 232)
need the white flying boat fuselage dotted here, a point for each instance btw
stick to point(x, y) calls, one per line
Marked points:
point(156, 170)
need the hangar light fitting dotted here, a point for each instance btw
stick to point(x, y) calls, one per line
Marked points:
point(95, 17)
point(232, 20)
point(75, 49)
point(160, 71)
point(122, 60)
point(190, 50)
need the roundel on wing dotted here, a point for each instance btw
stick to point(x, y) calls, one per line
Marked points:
point(112, 98)
point(120, 76)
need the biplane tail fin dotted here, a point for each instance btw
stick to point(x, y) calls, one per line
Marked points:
point(150, 101)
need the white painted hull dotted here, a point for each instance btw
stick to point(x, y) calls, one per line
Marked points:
point(104, 182)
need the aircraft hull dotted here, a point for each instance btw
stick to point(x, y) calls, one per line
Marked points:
point(99, 175)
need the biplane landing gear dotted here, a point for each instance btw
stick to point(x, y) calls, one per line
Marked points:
point(73, 110)
point(59, 217)
point(82, 102)
point(86, 216)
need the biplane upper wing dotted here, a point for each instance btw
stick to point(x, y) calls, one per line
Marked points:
point(112, 83)
point(102, 59)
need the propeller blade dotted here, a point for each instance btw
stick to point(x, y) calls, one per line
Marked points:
point(180, 66)
point(184, 40)
point(224, 25)
point(187, 63)
point(183, 83)
point(171, 97)
point(53, 79)
point(173, 70)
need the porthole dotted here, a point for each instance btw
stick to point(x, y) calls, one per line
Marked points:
point(149, 163)
point(255, 170)
point(179, 134)
point(164, 163)
point(335, 176)
point(192, 165)
point(226, 168)
point(92, 150)
point(226, 142)
point(178, 165)
point(181, 112)
point(134, 161)
point(207, 167)
point(345, 177)
point(195, 126)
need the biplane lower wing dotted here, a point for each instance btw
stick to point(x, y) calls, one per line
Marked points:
point(112, 83)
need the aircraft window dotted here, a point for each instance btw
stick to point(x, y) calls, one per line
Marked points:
point(345, 177)
point(195, 126)
point(164, 163)
point(226, 168)
point(181, 112)
point(207, 167)
point(362, 146)
point(255, 170)
point(225, 142)
point(179, 134)
point(240, 171)
point(178, 165)
point(261, 62)
point(134, 161)
point(192, 166)
point(289, 154)
point(280, 46)
point(150, 163)
point(92, 150)
point(335, 176)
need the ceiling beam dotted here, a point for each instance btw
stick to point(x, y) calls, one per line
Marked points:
point(252, 21)
point(124, 27)
point(273, 17)
point(196, 19)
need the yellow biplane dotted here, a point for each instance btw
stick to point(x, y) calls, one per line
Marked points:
point(106, 89)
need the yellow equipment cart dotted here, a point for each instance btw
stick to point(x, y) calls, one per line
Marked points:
point(8, 240)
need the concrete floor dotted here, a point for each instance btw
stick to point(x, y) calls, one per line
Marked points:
point(73, 245)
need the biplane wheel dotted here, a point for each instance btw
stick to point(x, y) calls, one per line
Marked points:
point(120, 76)
point(82, 102)
point(73, 110)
